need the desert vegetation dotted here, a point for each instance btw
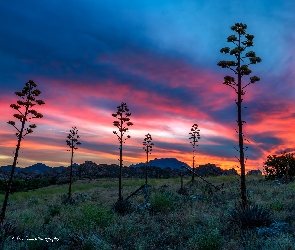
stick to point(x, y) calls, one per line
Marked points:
point(186, 212)
point(281, 166)
point(24, 115)
point(194, 137)
point(148, 147)
point(203, 219)
point(241, 69)
point(72, 142)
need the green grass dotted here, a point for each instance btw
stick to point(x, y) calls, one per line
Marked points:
point(172, 221)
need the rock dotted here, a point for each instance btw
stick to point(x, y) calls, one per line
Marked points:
point(277, 182)
point(83, 197)
point(197, 197)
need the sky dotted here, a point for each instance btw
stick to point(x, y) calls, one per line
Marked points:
point(160, 58)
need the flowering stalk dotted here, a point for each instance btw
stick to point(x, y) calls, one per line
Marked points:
point(122, 115)
point(147, 146)
point(25, 113)
point(72, 142)
point(240, 70)
point(195, 135)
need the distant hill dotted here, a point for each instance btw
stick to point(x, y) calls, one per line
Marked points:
point(171, 163)
point(35, 168)
point(158, 168)
point(38, 167)
point(8, 168)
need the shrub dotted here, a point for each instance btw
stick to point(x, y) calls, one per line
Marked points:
point(18, 186)
point(250, 216)
point(7, 229)
point(122, 206)
point(206, 239)
point(277, 205)
point(88, 216)
point(54, 210)
point(162, 202)
point(278, 241)
point(65, 181)
point(37, 183)
point(100, 215)
point(25, 185)
point(276, 166)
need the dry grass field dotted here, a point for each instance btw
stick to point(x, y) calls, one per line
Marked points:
point(204, 219)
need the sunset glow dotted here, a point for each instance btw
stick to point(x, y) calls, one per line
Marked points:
point(158, 57)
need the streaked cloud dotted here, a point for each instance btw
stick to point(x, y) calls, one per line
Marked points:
point(158, 56)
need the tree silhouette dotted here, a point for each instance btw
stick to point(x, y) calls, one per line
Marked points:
point(281, 166)
point(241, 69)
point(122, 115)
point(72, 142)
point(195, 135)
point(25, 113)
point(147, 146)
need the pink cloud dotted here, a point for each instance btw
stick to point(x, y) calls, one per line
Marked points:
point(88, 105)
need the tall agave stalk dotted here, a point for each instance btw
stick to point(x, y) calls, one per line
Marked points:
point(195, 136)
point(239, 66)
point(122, 124)
point(25, 114)
point(72, 142)
point(148, 147)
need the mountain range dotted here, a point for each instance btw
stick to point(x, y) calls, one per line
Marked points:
point(36, 168)
point(162, 163)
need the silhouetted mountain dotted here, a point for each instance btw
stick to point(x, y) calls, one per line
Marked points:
point(163, 163)
point(158, 168)
point(7, 168)
point(35, 168)
point(60, 168)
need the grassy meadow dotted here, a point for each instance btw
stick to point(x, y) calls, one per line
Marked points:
point(200, 220)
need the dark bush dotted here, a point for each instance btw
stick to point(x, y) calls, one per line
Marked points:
point(7, 229)
point(37, 183)
point(65, 181)
point(277, 166)
point(34, 183)
point(18, 186)
point(54, 210)
point(250, 216)
point(122, 206)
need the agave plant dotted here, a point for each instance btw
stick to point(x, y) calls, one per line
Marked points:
point(122, 207)
point(250, 216)
point(240, 66)
point(24, 114)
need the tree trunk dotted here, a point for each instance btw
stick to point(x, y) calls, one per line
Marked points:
point(71, 173)
point(193, 173)
point(146, 167)
point(241, 139)
point(8, 187)
point(121, 163)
